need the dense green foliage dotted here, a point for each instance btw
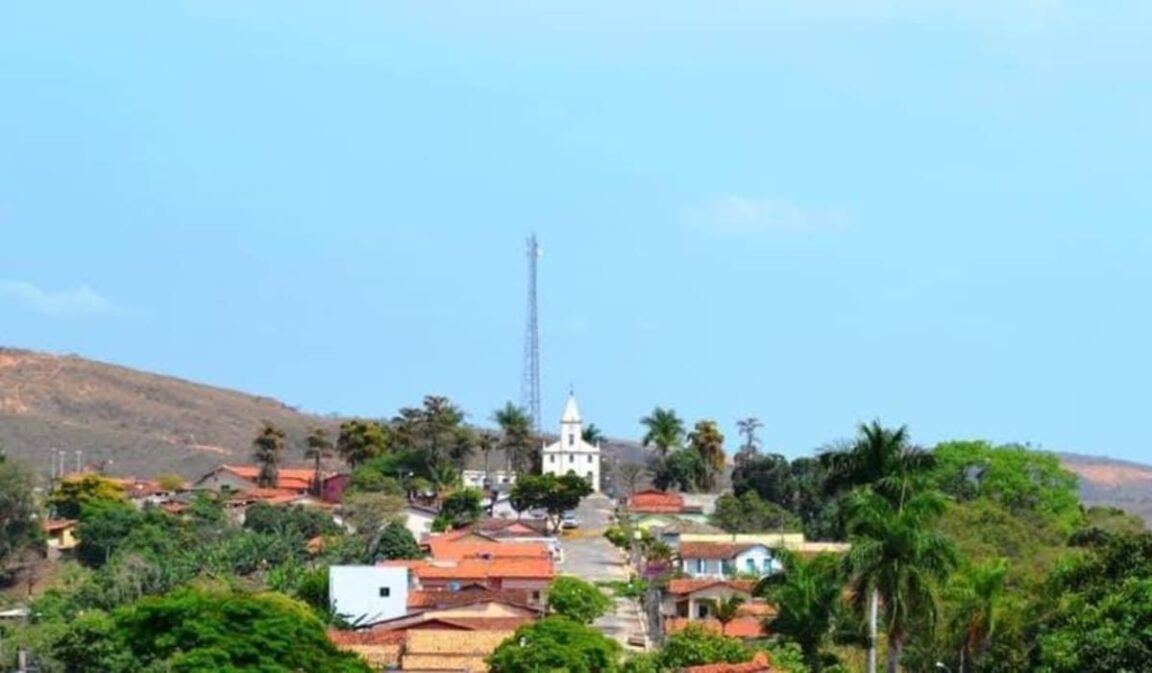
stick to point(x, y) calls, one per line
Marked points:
point(72, 494)
point(577, 600)
point(556, 644)
point(193, 631)
point(397, 542)
point(554, 495)
point(749, 514)
point(805, 594)
point(460, 508)
point(18, 530)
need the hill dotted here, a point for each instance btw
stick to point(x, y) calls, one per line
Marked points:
point(143, 424)
point(135, 422)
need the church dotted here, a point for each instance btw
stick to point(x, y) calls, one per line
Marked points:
point(571, 453)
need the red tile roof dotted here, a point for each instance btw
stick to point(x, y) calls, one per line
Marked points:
point(290, 478)
point(447, 599)
point(656, 502)
point(683, 587)
point(712, 550)
point(741, 627)
point(479, 569)
point(759, 664)
point(54, 525)
point(448, 549)
point(475, 623)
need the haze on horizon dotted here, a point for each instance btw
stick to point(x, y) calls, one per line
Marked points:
point(814, 213)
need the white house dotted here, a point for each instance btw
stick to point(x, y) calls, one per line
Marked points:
point(726, 560)
point(497, 479)
point(571, 453)
point(368, 594)
point(418, 520)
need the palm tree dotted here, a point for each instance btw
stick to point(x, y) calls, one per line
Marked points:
point(707, 441)
point(727, 609)
point(318, 447)
point(897, 557)
point(266, 450)
point(486, 442)
point(665, 430)
point(517, 441)
point(805, 595)
point(592, 434)
point(879, 457)
point(979, 590)
point(747, 428)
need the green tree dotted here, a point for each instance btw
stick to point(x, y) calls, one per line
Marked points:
point(318, 448)
point(708, 442)
point(882, 458)
point(516, 437)
point(555, 495)
point(303, 523)
point(577, 600)
point(696, 646)
point(592, 434)
point(359, 441)
point(18, 527)
point(682, 469)
point(663, 429)
point(749, 514)
point(556, 644)
point(728, 609)
point(978, 593)
point(104, 527)
point(462, 507)
point(435, 435)
point(1021, 479)
point(192, 631)
point(73, 493)
point(266, 451)
point(397, 542)
point(368, 513)
point(805, 595)
point(898, 555)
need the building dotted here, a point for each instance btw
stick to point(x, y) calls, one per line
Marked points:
point(301, 481)
point(497, 479)
point(697, 598)
point(723, 560)
point(368, 594)
point(793, 542)
point(571, 453)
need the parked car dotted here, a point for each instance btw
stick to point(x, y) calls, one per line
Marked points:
point(569, 521)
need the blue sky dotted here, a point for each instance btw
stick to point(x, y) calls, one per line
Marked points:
point(934, 212)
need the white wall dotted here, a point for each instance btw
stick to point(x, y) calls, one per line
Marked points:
point(757, 560)
point(356, 592)
point(418, 523)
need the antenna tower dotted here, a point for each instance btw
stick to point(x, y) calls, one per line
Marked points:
point(530, 384)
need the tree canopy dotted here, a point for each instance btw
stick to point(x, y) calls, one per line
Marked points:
point(556, 643)
point(576, 599)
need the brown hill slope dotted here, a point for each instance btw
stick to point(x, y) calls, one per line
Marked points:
point(1118, 483)
point(144, 423)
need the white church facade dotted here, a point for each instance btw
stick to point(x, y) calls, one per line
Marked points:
point(571, 453)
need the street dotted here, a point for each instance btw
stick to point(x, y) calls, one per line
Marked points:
point(591, 557)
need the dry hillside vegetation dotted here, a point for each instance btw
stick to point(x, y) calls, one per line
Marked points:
point(143, 423)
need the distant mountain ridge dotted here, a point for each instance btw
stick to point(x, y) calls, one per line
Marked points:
point(145, 423)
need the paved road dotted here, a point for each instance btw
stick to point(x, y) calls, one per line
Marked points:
point(589, 556)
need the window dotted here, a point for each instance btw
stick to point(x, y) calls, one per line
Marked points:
point(551, 459)
point(385, 592)
point(751, 564)
point(571, 458)
point(700, 565)
point(589, 478)
point(571, 439)
point(589, 458)
point(701, 611)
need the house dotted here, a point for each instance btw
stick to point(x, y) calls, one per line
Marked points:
point(61, 536)
point(794, 542)
point(418, 519)
point(300, 481)
point(652, 508)
point(570, 453)
point(759, 664)
point(723, 560)
point(381, 649)
point(671, 533)
point(368, 594)
point(451, 650)
point(529, 574)
point(499, 479)
point(697, 598)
